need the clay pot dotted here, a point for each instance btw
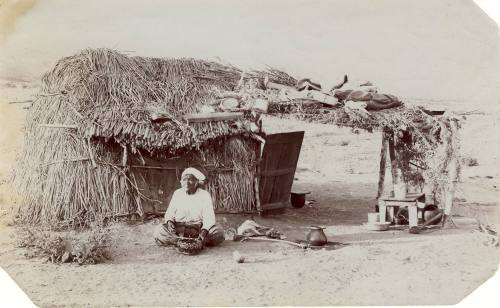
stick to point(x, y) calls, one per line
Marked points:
point(316, 236)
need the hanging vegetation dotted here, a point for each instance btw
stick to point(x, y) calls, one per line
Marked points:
point(427, 147)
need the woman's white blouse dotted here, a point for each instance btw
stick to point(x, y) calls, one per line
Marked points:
point(195, 208)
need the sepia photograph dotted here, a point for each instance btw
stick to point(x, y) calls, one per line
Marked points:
point(168, 153)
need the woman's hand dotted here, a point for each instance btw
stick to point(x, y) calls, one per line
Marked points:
point(203, 236)
point(171, 226)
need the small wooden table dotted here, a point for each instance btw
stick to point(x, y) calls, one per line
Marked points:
point(411, 201)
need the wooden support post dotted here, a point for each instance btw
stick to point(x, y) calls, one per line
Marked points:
point(125, 155)
point(391, 214)
point(383, 159)
point(382, 209)
point(392, 157)
point(257, 193)
point(452, 172)
point(258, 150)
point(413, 214)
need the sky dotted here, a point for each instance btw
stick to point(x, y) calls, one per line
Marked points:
point(425, 48)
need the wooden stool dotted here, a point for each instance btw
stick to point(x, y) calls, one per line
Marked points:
point(411, 201)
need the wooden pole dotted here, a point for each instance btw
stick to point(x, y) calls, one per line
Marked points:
point(22, 102)
point(153, 167)
point(124, 156)
point(392, 157)
point(453, 179)
point(256, 183)
point(383, 159)
point(257, 193)
point(273, 240)
point(64, 161)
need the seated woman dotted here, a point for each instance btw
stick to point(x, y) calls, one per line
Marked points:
point(190, 214)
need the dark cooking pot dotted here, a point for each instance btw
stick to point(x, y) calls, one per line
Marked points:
point(316, 236)
point(431, 213)
point(298, 199)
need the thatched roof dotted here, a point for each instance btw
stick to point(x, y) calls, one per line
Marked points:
point(108, 94)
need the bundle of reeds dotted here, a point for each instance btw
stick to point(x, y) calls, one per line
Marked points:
point(275, 75)
point(64, 177)
point(231, 165)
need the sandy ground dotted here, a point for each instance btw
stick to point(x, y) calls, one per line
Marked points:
point(359, 267)
point(388, 268)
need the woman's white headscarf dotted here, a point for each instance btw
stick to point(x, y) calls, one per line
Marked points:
point(194, 172)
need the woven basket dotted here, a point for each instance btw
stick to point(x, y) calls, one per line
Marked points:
point(189, 246)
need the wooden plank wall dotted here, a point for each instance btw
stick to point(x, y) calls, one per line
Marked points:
point(279, 162)
point(157, 181)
